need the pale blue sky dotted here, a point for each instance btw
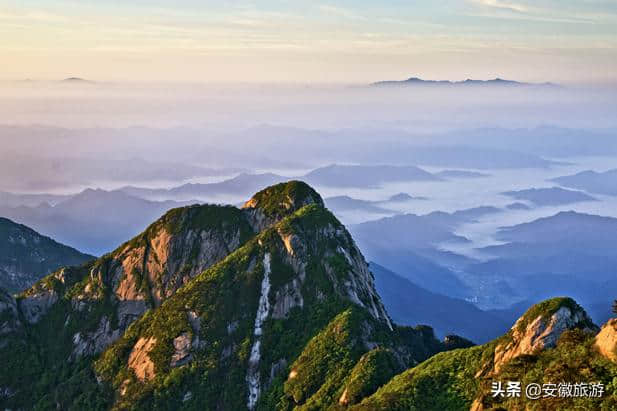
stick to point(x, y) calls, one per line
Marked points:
point(309, 41)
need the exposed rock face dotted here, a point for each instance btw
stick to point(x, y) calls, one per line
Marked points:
point(360, 284)
point(539, 329)
point(350, 274)
point(290, 295)
point(34, 307)
point(606, 340)
point(182, 350)
point(477, 405)
point(344, 400)
point(139, 359)
point(9, 319)
point(145, 271)
point(453, 342)
point(96, 341)
point(164, 261)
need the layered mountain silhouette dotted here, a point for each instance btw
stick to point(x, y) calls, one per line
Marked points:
point(407, 244)
point(409, 304)
point(591, 181)
point(26, 256)
point(497, 82)
point(342, 206)
point(335, 175)
point(93, 220)
point(270, 306)
point(549, 196)
point(568, 253)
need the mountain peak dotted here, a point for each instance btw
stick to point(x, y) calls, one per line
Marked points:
point(540, 327)
point(284, 197)
point(275, 202)
point(231, 313)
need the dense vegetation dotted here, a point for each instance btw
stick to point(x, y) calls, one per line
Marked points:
point(444, 382)
point(278, 200)
point(453, 380)
point(323, 344)
point(328, 328)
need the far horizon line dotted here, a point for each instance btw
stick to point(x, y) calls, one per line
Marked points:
point(403, 80)
point(86, 79)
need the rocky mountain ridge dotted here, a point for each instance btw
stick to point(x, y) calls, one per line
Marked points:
point(246, 296)
point(553, 342)
point(267, 307)
point(26, 256)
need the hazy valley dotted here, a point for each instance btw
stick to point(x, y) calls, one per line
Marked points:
point(133, 263)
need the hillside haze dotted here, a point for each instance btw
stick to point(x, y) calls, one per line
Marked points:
point(26, 256)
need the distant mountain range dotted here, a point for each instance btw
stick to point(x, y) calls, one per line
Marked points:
point(453, 174)
point(415, 81)
point(568, 253)
point(96, 221)
point(241, 185)
point(76, 80)
point(408, 245)
point(550, 196)
point(365, 176)
point(26, 256)
point(591, 181)
point(335, 175)
point(30, 200)
point(351, 210)
point(70, 172)
point(543, 141)
point(518, 206)
point(410, 304)
point(342, 204)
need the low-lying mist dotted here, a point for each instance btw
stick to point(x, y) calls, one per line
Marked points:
point(69, 135)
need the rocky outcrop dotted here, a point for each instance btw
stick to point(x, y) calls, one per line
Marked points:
point(34, 307)
point(360, 284)
point(139, 359)
point(453, 342)
point(94, 342)
point(182, 350)
point(540, 327)
point(9, 317)
point(290, 295)
point(164, 261)
point(606, 340)
point(144, 272)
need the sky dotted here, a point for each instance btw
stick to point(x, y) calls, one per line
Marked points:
point(348, 41)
